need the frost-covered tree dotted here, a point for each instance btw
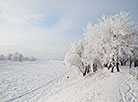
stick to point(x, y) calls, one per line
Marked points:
point(2, 58)
point(32, 58)
point(74, 56)
point(110, 39)
point(10, 57)
point(106, 43)
point(18, 57)
point(135, 51)
point(21, 58)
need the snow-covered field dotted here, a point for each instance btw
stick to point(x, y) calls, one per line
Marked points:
point(102, 86)
point(29, 81)
point(46, 81)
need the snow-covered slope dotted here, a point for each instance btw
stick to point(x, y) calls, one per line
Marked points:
point(103, 86)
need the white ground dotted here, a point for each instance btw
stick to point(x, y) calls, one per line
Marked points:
point(103, 86)
point(29, 81)
point(45, 81)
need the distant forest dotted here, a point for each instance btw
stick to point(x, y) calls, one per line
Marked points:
point(16, 57)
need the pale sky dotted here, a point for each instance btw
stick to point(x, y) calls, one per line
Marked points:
point(46, 28)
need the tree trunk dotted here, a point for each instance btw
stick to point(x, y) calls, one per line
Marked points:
point(94, 67)
point(130, 62)
point(85, 71)
point(106, 65)
point(82, 65)
point(122, 63)
point(112, 70)
point(117, 67)
point(88, 70)
point(135, 64)
point(113, 64)
point(109, 66)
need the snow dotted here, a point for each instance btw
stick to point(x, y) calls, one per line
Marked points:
point(28, 81)
point(46, 81)
point(102, 86)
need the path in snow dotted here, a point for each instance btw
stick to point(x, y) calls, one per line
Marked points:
point(103, 86)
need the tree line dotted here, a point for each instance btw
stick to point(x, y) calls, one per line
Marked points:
point(110, 42)
point(16, 57)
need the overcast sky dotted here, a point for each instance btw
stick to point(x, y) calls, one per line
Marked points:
point(46, 28)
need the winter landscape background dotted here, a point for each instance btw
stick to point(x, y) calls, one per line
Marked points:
point(68, 51)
